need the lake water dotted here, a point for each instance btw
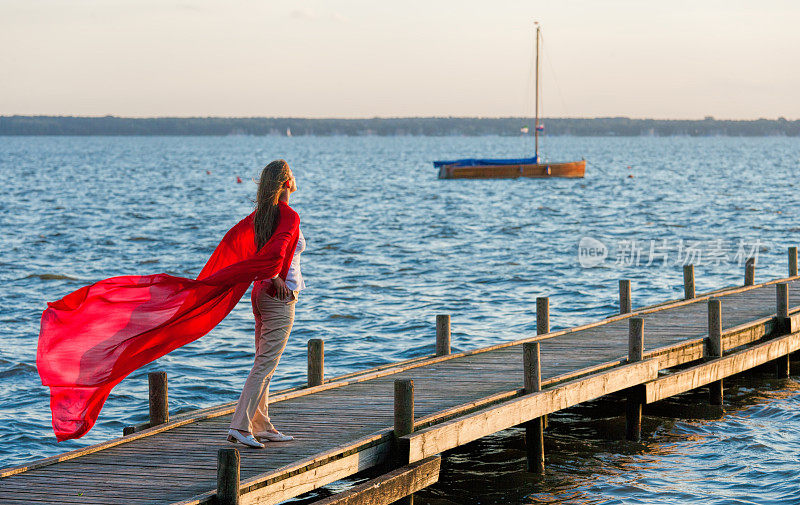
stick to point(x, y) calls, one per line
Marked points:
point(390, 246)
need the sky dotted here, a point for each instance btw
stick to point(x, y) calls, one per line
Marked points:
point(682, 59)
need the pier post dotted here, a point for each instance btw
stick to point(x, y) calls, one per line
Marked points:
point(228, 476)
point(542, 327)
point(534, 429)
point(688, 282)
point(542, 315)
point(792, 262)
point(750, 272)
point(403, 424)
point(783, 367)
point(624, 296)
point(532, 370)
point(443, 334)
point(782, 300)
point(159, 403)
point(715, 346)
point(634, 401)
point(316, 362)
point(403, 407)
point(782, 364)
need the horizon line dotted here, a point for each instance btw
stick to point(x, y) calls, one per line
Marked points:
point(350, 118)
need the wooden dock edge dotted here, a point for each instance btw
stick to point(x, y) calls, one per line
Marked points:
point(697, 349)
point(720, 368)
point(464, 429)
point(387, 488)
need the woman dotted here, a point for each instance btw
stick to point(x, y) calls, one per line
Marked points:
point(92, 338)
point(273, 307)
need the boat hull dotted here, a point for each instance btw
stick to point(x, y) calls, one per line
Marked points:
point(571, 169)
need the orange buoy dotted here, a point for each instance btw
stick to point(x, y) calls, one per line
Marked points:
point(238, 180)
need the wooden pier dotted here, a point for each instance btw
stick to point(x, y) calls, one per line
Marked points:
point(399, 418)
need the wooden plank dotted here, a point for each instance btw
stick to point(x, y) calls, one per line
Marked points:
point(390, 487)
point(285, 483)
point(464, 429)
point(720, 368)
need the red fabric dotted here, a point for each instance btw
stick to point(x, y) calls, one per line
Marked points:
point(94, 337)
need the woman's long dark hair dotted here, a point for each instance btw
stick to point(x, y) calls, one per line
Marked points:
point(272, 181)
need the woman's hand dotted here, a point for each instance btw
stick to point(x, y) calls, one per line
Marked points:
point(281, 291)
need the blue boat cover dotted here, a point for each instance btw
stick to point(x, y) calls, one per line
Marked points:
point(473, 162)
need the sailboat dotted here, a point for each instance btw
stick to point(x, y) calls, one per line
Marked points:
point(475, 168)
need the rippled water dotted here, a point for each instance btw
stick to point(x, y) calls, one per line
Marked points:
point(389, 246)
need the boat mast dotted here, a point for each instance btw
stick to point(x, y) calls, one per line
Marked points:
point(536, 122)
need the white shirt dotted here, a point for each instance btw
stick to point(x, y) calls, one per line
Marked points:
point(294, 279)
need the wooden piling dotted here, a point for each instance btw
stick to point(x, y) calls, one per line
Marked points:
point(688, 282)
point(792, 262)
point(316, 362)
point(782, 364)
point(715, 393)
point(542, 315)
point(403, 424)
point(634, 400)
point(159, 402)
point(228, 476)
point(750, 272)
point(624, 296)
point(542, 327)
point(128, 430)
point(783, 367)
point(715, 346)
point(531, 359)
point(782, 300)
point(443, 334)
point(534, 429)
point(403, 407)
point(635, 339)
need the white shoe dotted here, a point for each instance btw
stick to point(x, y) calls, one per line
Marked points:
point(235, 436)
point(274, 436)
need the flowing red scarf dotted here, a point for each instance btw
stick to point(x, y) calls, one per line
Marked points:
point(94, 337)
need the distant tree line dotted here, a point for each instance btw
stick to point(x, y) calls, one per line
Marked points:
point(434, 126)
